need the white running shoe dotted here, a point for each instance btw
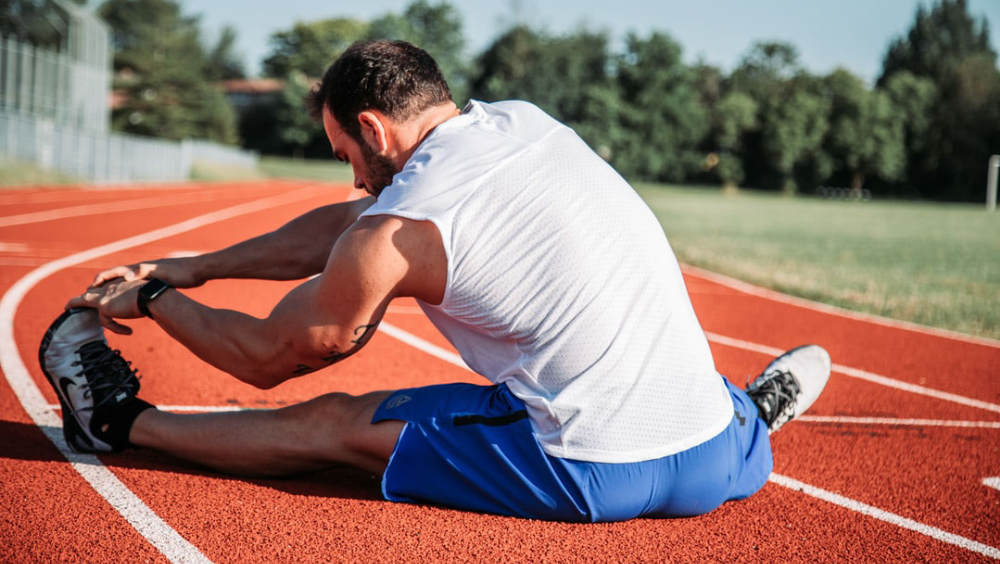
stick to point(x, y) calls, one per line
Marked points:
point(790, 384)
point(91, 380)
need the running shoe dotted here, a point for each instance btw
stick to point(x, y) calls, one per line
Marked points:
point(790, 384)
point(93, 382)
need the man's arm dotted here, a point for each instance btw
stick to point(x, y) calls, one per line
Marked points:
point(319, 323)
point(297, 250)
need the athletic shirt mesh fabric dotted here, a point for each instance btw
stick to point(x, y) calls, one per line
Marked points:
point(562, 285)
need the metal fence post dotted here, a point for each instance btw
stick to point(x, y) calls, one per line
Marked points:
point(991, 184)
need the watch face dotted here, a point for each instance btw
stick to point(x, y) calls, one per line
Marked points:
point(153, 288)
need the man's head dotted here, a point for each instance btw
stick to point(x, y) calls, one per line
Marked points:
point(388, 82)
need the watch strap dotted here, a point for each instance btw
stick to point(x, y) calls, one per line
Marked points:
point(149, 292)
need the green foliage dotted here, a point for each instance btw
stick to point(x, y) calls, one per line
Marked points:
point(732, 117)
point(866, 134)
point(310, 47)
point(221, 62)
point(660, 109)
point(162, 72)
point(949, 47)
point(937, 41)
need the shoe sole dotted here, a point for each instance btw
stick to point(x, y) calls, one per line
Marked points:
point(72, 429)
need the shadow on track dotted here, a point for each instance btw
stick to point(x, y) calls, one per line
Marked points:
point(25, 441)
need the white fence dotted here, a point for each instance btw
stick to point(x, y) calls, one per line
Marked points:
point(109, 157)
point(70, 87)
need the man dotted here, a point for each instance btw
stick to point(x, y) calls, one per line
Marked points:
point(532, 256)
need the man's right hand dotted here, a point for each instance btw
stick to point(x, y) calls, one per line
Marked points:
point(178, 272)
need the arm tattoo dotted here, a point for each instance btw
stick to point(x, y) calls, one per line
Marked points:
point(335, 355)
point(365, 330)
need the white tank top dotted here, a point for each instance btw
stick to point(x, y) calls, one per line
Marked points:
point(562, 285)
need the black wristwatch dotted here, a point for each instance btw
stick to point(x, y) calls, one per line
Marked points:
point(149, 292)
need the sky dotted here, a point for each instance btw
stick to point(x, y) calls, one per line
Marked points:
point(853, 34)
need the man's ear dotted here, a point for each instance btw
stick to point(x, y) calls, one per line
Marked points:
point(374, 130)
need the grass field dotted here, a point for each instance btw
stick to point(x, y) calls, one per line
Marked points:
point(933, 264)
point(16, 173)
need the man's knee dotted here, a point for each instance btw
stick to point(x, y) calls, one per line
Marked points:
point(338, 428)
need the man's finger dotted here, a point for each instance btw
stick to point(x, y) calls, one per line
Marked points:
point(77, 302)
point(110, 274)
point(114, 326)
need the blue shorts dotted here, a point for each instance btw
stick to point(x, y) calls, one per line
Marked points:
point(472, 447)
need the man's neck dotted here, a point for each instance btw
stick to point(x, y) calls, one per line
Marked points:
point(411, 134)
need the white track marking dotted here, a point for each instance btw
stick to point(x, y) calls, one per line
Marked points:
point(107, 207)
point(883, 515)
point(185, 408)
point(773, 295)
point(897, 422)
point(138, 514)
point(862, 375)
point(405, 310)
point(182, 254)
point(426, 346)
point(992, 482)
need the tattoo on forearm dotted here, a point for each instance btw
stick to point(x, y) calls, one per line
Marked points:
point(365, 330)
point(333, 356)
point(362, 332)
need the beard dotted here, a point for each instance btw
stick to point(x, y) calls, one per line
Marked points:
point(381, 169)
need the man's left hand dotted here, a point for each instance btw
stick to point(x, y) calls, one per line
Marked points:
point(114, 300)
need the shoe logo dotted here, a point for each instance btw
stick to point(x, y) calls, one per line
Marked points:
point(64, 384)
point(397, 401)
point(743, 420)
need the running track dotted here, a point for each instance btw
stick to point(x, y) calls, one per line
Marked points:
point(899, 460)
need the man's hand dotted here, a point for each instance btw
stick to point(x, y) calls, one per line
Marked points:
point(113, 300)
point(178, 272)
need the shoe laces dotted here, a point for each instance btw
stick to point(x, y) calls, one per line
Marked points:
point(108, 375)
point(775, 393)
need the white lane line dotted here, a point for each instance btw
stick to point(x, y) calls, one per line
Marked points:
point(107, 207)
point(862, 375)
point(813, 491)
point(992, 482)
point(426, 346)
point(773, 295)
point(897, 422)
point(167, 540)
point(883, 515)
point(188, 408)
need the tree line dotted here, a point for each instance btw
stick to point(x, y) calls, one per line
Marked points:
point(925, 129)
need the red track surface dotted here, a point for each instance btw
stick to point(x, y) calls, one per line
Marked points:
point(923, 476)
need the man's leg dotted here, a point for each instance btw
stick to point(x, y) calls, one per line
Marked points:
point(318, 434)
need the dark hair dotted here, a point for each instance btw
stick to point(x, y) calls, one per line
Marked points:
point(394, 77)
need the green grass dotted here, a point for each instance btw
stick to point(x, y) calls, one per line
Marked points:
point(934, 264)
point(326, 170)
point(16, 173)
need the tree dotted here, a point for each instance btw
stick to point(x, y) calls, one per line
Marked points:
point(937, 41)
point(310, 47)
point(866, 135)
point(166, 91)
point(950, 48)
point(660, 110)
point(221, 62)
point(732, 117)
point(791, 113)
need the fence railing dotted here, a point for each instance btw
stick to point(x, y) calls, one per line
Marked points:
point(56, 85)
point(109, 157)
